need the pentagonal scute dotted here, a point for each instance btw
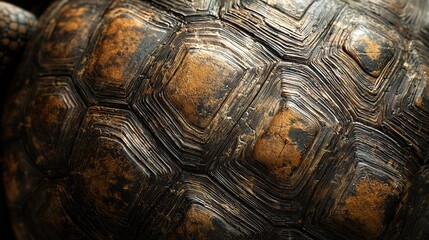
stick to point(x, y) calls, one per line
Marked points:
point(366, 200)
point(278, 147)
point(127, 41)
point(64, 39)
point(199, 87)
point(51, 121)
point(46, 213)
point(119, 171)
point(290, 28)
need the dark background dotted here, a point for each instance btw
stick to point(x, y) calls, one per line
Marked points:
point(36, 7)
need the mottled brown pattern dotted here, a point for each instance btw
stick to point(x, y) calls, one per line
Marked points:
point(66, 36)
point(277, 149)
point(371, 50)
point(209, 119)
point(109, 177)
point(47, 112)
point(366, 207)
point(115, 52)
point(200, 85)
point(56, 107)
point(197, 224)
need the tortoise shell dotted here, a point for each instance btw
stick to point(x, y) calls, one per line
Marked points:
point(234, 119)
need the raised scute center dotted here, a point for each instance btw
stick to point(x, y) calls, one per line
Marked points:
point(281, 147)
point(200, 85)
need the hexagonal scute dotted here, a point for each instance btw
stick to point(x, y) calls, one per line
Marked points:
point(194, 209)
point(359, 60)
point(278, 147)
point(65, 39)
point(199, 87)
point(119, 177)
point(195, 8)
point(51, 122)
point(361, 193)
point(128, 39)
point(46, 213)
point(290, 28)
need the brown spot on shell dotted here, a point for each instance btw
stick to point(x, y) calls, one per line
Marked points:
point(276, 149)
point(109, 176)
point(367, 206)
point(198, 223)
point(200, 85)
point(46, 115)
point(69, 32)
point(115, 51)
point(371, 50)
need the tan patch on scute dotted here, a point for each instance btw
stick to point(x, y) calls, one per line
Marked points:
point(367, 205)
point(200, 85)
point(109, 176)
point(197, 223)
point(114, 53)
point(70, 31)
point(52, 109)
point(47, 116)
point(275, 149)
point(372, 48)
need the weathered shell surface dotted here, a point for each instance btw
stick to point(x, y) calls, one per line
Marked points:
point(235, 119)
